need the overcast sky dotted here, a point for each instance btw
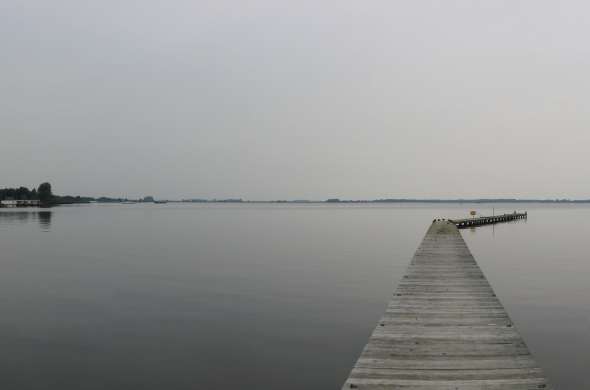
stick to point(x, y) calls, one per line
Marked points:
point(296, 99)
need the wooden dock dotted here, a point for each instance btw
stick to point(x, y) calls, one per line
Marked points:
point(478, 221)
point(445, 329)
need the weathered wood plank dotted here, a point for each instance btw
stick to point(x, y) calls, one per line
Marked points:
point(445, 328)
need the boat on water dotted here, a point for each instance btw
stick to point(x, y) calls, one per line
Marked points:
point(160, 201)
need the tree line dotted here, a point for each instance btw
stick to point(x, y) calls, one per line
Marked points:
point(43, 193)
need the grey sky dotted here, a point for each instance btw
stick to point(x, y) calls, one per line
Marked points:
point(296, 99)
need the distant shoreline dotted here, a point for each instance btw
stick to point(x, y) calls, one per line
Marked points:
point(43, 196)
point(377, 201)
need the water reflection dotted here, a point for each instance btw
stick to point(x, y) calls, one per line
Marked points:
point(163, 287)
point(44, 219)
point(13, 217)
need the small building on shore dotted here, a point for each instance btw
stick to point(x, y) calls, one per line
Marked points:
point(19, 203)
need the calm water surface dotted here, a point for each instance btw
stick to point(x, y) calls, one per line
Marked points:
point(258, 296)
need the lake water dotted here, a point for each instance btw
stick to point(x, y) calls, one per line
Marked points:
point(258, 296)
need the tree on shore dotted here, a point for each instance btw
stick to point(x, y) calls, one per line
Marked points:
point(44, 193)
point(17, 193)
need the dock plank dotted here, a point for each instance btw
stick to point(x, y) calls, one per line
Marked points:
point(445, 328)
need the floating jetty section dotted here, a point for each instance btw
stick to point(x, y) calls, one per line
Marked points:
point(478, 221)
point(445, 329)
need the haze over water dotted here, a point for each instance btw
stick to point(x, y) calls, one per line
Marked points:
point(259, 296)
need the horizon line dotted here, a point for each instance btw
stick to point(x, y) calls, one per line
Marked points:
point(339, 200)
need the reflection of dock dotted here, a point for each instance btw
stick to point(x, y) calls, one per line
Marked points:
point(23, 216)
point(445, 328)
